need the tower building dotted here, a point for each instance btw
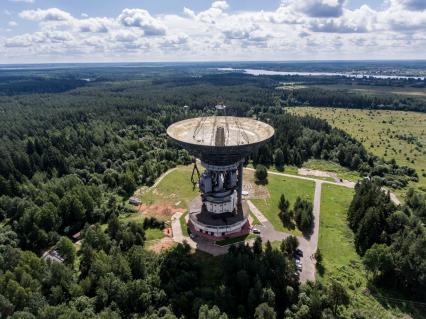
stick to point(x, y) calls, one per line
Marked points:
point(221, 143)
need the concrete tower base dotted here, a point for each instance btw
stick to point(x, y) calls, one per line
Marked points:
point(218, 226)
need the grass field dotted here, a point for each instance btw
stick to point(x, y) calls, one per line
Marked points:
point(174, 188)
point(389, 134)
point(291, 188)
point(341, 262)
point(376, 90)
point(153, 233)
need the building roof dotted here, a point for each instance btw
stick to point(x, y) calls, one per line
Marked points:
point(220, 139)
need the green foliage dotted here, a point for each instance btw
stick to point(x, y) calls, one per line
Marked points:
point(66, 249)
point(261, 174)
point(289, 245)
point(279, 159)
point(303, 215)
point(337, 295)
point(69, 159)
point(285, 214)
point(264, 311)
point(391, 241)
point(378, 260)
point(211, 313)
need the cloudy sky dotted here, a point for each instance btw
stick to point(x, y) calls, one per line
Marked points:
point(200, 30)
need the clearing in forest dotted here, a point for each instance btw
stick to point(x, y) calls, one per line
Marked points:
point(389, 134)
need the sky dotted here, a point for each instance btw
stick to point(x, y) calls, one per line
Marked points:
point(48, 31)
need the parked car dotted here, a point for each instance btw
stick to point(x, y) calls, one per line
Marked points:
point(299, 267)
point(255, 231)
point(298, 252)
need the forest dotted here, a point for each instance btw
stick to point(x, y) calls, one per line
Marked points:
point(71, 155)
point(391, 239)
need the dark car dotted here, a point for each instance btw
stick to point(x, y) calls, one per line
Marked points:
point(255, 231)
point(298, 252)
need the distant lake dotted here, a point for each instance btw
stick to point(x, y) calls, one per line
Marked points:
point(349, 75)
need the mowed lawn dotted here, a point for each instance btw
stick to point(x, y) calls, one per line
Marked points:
point(291, 188)
point(389, 134)
point(342, 263)
point(176, 187)
point(335, 237)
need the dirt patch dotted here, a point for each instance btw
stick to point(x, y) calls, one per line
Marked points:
point(163, 211)
point(313, 172)
point(160, 244)
point(254, 191)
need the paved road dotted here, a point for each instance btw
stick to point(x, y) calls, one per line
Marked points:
point(308, 244)
point(344, 183)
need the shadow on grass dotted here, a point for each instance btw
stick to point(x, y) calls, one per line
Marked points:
point(307, 233)
point(319, 266)
point(261, 182)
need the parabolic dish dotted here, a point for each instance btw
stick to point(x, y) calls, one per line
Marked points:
point(220, 140)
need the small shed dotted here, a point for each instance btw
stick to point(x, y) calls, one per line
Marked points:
point(76, 236)
point(53, 256)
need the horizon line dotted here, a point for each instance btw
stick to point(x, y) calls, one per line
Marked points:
point(219, 61)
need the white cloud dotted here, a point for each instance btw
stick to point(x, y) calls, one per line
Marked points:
point(413, 5)
point(142, 19)
point(125, 36)
point(24, 1)
point(320, 8)
point(222, 5)
point(12, 24)
point(296, 29)
point(188, 12)
point(52, 14)
point(94, 25)
point(360, 20)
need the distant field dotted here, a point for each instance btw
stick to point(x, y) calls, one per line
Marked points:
point(377, 90)
point(291, 188)
point(390, 134)
point(342, 263)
